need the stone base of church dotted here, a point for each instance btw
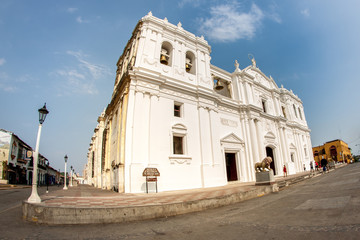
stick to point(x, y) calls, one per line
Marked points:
point(265, 178)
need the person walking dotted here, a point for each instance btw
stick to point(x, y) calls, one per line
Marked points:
point(285, 171)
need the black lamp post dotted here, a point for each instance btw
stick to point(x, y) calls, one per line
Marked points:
point(42, 114)
point(34, 197)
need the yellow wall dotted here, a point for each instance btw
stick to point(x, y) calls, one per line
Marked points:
point(342, 150)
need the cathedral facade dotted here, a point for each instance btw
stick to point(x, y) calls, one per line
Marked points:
point(198, 125)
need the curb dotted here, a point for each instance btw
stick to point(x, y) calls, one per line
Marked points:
point(57, 215)
point(6, 187)
point(72, 215)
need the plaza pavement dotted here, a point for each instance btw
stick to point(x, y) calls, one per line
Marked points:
point(84, 204)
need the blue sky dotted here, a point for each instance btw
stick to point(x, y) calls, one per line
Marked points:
point(64, 53)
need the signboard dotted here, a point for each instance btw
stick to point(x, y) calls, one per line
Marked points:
point(29, 154)
point(151, 175)
point(151, 172)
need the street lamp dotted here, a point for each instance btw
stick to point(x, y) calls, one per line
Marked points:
point(71, 177)
point(65, 187)
point(34, 197)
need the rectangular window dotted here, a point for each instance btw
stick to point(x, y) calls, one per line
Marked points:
point(300, 114)
point(283, 112)
point(177, 109)
point(264, 105)
point(178, 145)
point(295, 111)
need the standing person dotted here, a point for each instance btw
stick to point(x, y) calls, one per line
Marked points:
point(311, 167)
point(285, 171)
point(323, 164)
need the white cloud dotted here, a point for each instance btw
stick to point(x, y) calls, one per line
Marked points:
point(273, 13)
point(4, 83)
point(74, 82)
point(72, 10)
point(305, 12)
point(195, 3)
point(96, 71)
point(2, 61)
point(81, 20)
point(227, 23)
point(80, 78)
point(25, 78)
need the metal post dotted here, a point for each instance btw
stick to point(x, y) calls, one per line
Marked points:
point(65, 187)
point(71, 172)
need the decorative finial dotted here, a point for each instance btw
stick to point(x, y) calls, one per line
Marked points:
point(251, 57)
point(150, 13)
point(271, 77)
point(282, 86)
point(179, 25)
point(237, 69)
point(165, 19)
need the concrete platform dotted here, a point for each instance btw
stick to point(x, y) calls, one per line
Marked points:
point(84, 204)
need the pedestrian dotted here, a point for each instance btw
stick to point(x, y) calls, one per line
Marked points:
point(316, 166)
point(304, 168)
point(285, 171)
point(323, 164)
point(311, 167)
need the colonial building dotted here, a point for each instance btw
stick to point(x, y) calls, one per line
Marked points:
point(199, 125)
point(336, 150)
point(15, 166)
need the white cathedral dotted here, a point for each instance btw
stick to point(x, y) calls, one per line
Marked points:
point(199, 125)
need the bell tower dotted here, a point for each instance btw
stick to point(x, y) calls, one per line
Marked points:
point(173, 53)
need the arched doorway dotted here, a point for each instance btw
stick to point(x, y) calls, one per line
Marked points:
point(270, 153)
point(333, 153)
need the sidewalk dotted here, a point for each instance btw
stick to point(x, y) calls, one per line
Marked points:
point(85, 204)
point(12, 186)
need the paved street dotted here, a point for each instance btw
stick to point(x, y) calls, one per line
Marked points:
point(324, 207)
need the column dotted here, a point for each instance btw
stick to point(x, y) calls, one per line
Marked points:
point(259, 139)
point(254, 146)
point(282, 145)
point(248, 149)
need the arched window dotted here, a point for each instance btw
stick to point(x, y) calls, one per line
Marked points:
point(190, 62)
point(166, 54)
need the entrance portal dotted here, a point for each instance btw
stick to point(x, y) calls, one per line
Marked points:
point(269, 153)
point(231, 169)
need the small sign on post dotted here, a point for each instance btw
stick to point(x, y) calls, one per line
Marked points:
point(151, 175)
